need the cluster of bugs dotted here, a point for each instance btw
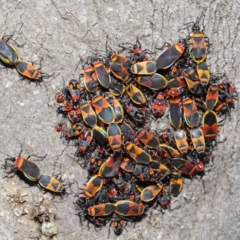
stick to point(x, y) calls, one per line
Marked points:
point(33, 173)
point(131, 167)
point(10, 57)
point(108, 115)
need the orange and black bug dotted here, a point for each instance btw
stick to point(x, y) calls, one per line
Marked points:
point(88, 115)
point(148, 139)
point(102, 74)
point(114, 136)
point(198, 140)
point(212, 96)
point(138, 55)
point(170, 55)
point(178, 82)
point(194, 87)
point(67, 107)
point(119, 182)
point(137, 113)
point(29, 71)
point(119, 72)
point(176, 184)
point(187, 168)
point(84, 140)
point(96, 160)
point(118, 224)
point(102, 209)
point(159, 105)
point(129, 208)
point(100, 135)
point(145, 174)
point(135, 94)
point(197, 43)
point(168, 151)
point(60, 97)
point(127, 165)
point(93, 186)
point(164, 199)
point(175, 111)
point(75, 115)
point(154, 82)
point(150, 192)
point(75, 130)
point(210, 125)
point(90, 81)
point(120, 59)
point(117, 107)
point(190, 74)
point(51, 183)
point(129, 134)
point(8, 53)
point(137, 153)
point(116, 87)
point(27, 167)
point(180, 138)
point(110, 167)
point(74, 90)
point(159, 166)
point(203, 72)
point(190, 112)
point(144, 68)
point(103, 109)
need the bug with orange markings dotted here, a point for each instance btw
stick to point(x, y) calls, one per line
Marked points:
point(180, 138)
point(148, 139)
point(114, 136)
point(198, 43)
point(170, 55)
point(27, 167)
point(144, 68)
point(103, 109)
point(210, 125)
point(30, 72)
point(158, 106)
point(198, 141)
point(93, 186)
point(88, 114)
